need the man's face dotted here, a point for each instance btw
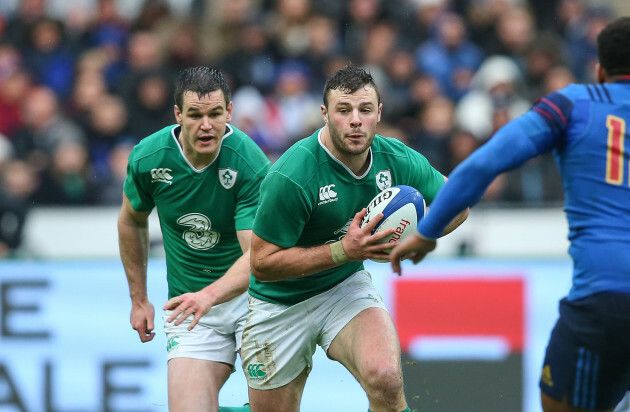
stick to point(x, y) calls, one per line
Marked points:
point(352, 119)
point(203, 120)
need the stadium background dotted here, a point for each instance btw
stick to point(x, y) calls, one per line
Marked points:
point(82, 81)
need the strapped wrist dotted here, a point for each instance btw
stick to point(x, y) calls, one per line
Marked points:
point(338, 254)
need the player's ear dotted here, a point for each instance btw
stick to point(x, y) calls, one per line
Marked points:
point(178, 114)
point(228, 118)
point(600, 73)
point(324, 113)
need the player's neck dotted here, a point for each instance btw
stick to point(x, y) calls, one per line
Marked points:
point(357, 163)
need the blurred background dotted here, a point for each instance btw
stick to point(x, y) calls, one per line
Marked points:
point(82, 81)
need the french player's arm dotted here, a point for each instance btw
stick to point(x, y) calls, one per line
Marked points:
point(133, 242)
point(518, 141)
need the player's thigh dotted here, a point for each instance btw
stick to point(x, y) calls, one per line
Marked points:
point(359, 332)
point(368, 345)
point(286, 398)
point(587, 362)
point(194, 384)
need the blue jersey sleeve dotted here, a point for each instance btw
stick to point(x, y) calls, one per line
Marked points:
point(520, 140)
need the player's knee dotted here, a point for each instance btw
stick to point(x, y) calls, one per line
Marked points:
point(383, 381)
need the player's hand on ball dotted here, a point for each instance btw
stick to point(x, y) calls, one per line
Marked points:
point(414, 247)
point(183, 306)
point(360, 244)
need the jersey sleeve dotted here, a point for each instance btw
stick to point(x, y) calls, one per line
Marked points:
point(555, 109)
point(140, 199)
point(283, 211)
point(423, 176)
point(248, 197)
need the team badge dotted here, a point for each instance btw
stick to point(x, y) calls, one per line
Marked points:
point(384, 179)
point(227, 177)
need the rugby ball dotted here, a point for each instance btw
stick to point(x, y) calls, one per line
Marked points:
point(402, 208)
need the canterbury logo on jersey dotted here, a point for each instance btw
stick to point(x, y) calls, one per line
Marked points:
point(327, 194)
point(161, 175)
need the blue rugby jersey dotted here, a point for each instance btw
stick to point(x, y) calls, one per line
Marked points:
point(586, 127)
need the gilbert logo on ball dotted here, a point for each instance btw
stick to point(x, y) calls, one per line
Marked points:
point(402, 208)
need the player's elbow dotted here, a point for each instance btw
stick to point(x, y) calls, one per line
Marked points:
point(260, 270)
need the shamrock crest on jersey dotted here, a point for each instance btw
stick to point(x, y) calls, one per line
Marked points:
point(384, 179)
point(227, 177)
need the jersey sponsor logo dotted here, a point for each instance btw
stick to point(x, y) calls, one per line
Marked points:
point(256, 372)
point(227, 177)
point(384, 179)
point(161, 174)
point(327, 194)
point(200, 235)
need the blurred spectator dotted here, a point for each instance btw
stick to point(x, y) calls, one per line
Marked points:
point(324, 42)
point(581, 42)
point(296, 106)
point(47, 57)
point(515, 31)
point(360, 16)
point(254, 63)
point(494, 99)
point(13, 88)
point(150, 104)
point(289, 27)
point(107, 125)
point(45, 128)
point(144, 55)
point(436, 127)
point(183, 47)
point(18, 181)
point(557, 78)
point(450, 57)
point(401, 69)
point(68, 181)
point(19, 25)
point(110, 188)
point(254, 116)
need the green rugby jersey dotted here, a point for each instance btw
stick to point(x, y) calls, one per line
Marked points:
point(199, 210)
point(309, 198)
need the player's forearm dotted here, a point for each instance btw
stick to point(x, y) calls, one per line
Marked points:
point(133, 242)
point(234, 282)
point(292, 263)
point(454, 224)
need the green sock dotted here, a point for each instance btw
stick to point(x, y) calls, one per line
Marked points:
point(406, 410)
point(234, 408)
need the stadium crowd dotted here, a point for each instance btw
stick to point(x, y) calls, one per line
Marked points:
point(78, 90)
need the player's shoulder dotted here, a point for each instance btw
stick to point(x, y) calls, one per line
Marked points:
point(578, 92)
point(158, 142)
point(302, 160)
point(237, 146)
point(390, 145)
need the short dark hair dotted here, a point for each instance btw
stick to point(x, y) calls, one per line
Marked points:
point(612, 47)
point(349, 79)
point(201, 80)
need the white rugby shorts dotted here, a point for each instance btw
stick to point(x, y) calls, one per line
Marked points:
point(217, 336)
point(279, 341)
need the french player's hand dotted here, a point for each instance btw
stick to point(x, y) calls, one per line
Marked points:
point(414, 247)
point(183, 306)
point(141, 319)
point(360, 244)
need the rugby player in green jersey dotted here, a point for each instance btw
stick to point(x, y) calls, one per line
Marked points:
point(203, 176)
point(309, 285)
